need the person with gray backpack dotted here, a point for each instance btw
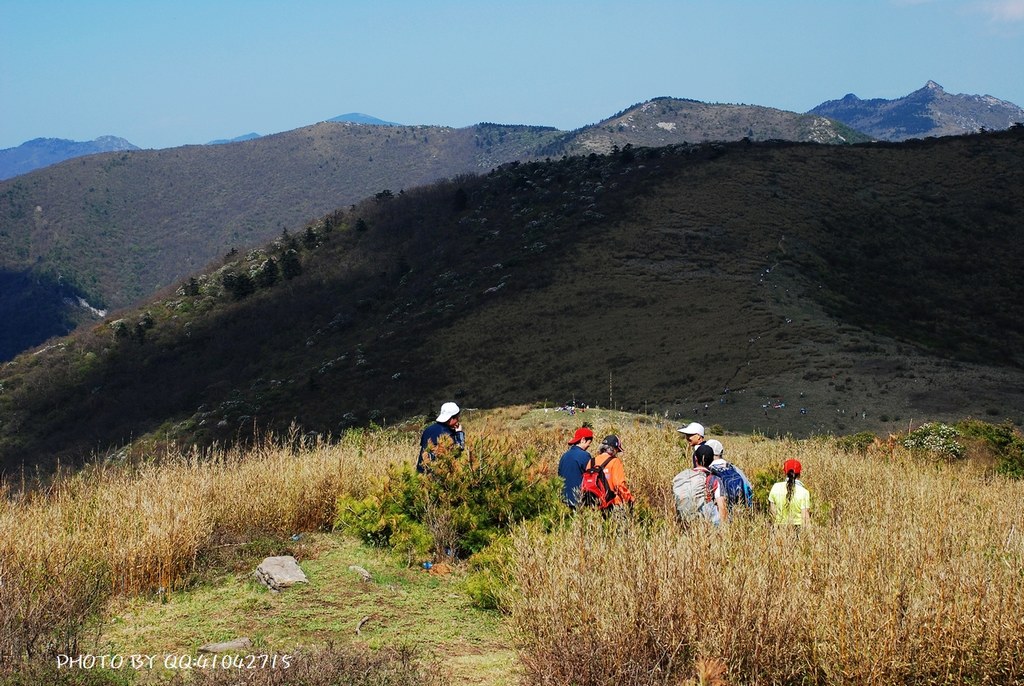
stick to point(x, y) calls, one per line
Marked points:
point(700, 494)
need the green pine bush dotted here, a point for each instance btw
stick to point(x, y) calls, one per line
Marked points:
point(467, 499)
point(1005, 440)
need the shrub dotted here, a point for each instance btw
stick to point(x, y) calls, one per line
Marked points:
point(380, 521)
point(761, 483)
point(468, 499)
point(48, 597)
point(1005, 440)
point(856, 443)
point(937, 439)
point(491, 580)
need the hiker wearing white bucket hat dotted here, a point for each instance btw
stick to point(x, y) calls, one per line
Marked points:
point(447, 427)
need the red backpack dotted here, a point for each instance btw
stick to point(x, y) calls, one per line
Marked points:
point(594, 491)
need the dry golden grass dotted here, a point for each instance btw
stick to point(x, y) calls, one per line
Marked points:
point(128, 530)
point(912, 572)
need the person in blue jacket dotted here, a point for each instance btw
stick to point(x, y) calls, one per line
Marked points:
point(447, 426)
point(572, 464)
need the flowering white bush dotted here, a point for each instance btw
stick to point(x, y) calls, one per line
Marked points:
point(936, 438)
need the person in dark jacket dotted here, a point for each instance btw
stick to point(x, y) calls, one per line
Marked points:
point(447, 427)
point(572, 464)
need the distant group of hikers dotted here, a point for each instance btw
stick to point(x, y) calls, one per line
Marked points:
point(708, 491)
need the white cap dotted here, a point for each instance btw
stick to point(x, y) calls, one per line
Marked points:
point(692, 428)
point(715, 446)
point(448, 410)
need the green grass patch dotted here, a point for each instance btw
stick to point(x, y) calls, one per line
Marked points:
point(400, 606)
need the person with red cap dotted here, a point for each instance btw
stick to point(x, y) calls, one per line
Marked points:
point(572, 464)
point(788, 501)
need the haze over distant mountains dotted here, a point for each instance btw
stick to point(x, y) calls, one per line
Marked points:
point(929, 111)
point(42, 152)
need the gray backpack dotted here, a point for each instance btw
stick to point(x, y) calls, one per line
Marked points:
point(694, 494)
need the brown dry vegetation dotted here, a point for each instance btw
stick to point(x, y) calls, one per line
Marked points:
point(912, 572)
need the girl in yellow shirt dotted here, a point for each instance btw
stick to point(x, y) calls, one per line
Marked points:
point(788, 501)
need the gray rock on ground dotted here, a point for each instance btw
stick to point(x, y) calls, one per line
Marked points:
point(361, 571)
point(278, 573)
point(226, 646)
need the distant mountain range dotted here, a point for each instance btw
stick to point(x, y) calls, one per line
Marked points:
point(113, 228)
point(929, 111)
point(236, 139)
point(116, 227)
point(360, 118)
point(42, 152)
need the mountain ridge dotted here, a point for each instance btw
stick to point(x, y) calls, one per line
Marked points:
point(119, 226)
point(928, 111)
point(783, 288)
point(43, 152)
point(114, 228)
point(944, 123)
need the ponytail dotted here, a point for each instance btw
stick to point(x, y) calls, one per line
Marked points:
point(790, 483)
point(792, 470)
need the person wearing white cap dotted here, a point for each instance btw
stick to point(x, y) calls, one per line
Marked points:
point(448, 427)
point(694, 434)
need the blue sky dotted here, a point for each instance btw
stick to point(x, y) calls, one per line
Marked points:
point(162, 74)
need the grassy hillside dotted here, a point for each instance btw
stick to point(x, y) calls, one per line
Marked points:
point(782, 288)
point(121, 226)
point(889, 584)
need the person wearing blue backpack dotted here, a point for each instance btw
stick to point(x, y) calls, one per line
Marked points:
point(738, 490)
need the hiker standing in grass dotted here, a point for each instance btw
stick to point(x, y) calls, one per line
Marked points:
point(694, 434)
point(735, 483)
point(788, 501)
point(609, 463)
point(699, 494)
point(572, 464)
point(446, 428)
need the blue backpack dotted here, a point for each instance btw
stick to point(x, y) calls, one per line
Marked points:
point(737, 490)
